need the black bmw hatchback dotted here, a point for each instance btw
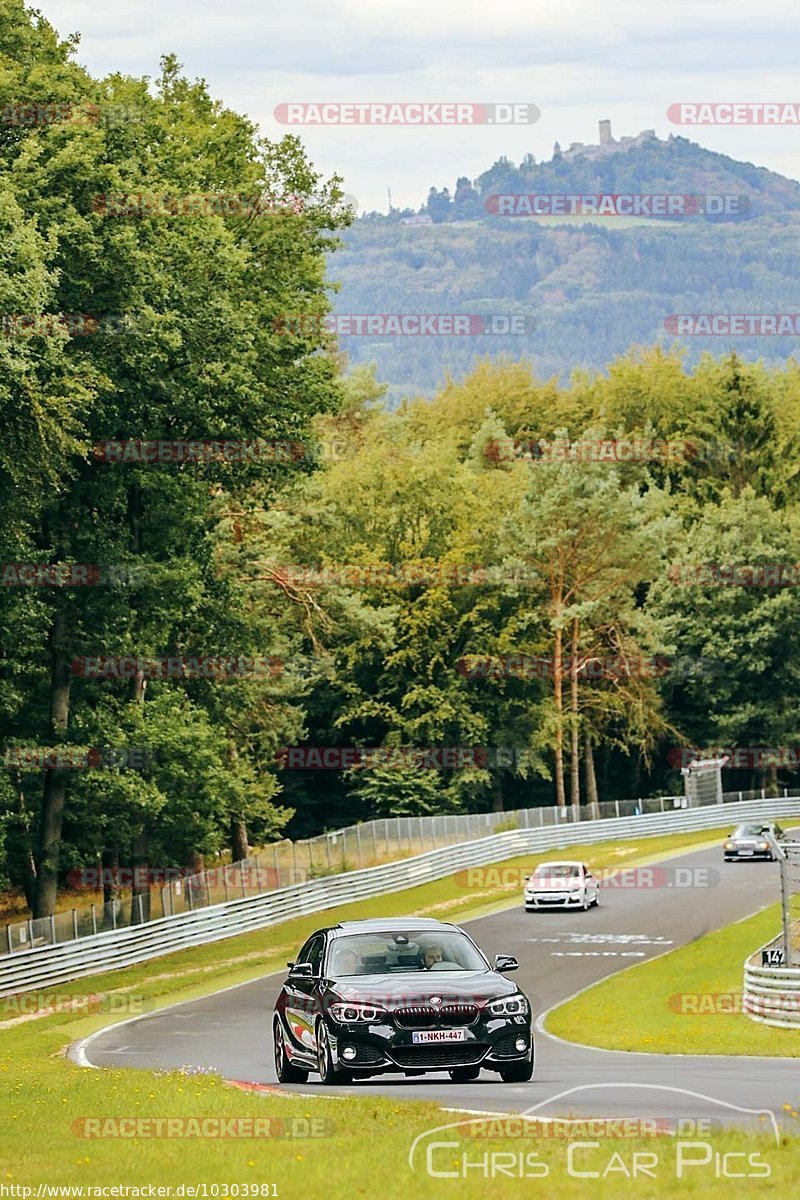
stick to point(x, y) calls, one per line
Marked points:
point(410, 996)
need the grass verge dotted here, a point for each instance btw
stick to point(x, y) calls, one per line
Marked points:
point(364, 1142)
point(680, 1002)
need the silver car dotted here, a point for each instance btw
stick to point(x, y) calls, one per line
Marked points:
point(752, 841)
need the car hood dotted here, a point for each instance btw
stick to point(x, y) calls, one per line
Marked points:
point(553, 885)
point(398, 990)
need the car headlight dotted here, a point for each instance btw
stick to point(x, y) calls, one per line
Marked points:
point(729, 845)
point(509, 1006)
point(763, 845)
point(350, 1012)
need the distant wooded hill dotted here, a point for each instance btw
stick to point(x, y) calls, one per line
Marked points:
point(589, 288)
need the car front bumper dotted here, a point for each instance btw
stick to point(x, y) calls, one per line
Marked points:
point(575, 899)
point(489, 1043)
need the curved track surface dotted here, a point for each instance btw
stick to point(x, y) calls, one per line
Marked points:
point(560, 953)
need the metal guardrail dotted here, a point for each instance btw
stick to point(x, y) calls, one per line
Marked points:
point(45, 966)
point(283, 863)
point(772, 994)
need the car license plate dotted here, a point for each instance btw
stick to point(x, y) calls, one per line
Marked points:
point(744, 853)
point(439, 1035)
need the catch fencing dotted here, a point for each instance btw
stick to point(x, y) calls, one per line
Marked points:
point(46, 965)
point(286, 863)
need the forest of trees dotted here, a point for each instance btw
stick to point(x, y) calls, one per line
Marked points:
point(586, 293)
point(389, 561)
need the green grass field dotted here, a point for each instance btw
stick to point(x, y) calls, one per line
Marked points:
point(364, 1142)
point(642, 1008)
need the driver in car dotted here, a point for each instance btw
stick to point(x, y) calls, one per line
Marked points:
point(430, 955)
point(348, 962)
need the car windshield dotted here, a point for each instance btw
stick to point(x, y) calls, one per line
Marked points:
point(556, 871)
point(404, 952)
point(747, 831)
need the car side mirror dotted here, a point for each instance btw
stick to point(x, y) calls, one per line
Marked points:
point(505, 962)
point(302, 970)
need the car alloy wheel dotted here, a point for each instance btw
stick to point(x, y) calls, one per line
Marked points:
point(283, 1068)
point(328, 1073)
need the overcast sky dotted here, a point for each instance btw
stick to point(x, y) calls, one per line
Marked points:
point(577, 60)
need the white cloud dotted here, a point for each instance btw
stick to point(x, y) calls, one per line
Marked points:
point(577, 60)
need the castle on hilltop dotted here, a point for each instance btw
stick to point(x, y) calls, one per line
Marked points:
point(607, 145)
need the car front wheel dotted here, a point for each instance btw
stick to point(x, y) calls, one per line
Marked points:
point(283, 1068)
point(328, 1073)
point(464, 1074)
point(518, 1072)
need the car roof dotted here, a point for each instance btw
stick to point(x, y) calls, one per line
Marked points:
point(561, 862)
point(376, 925)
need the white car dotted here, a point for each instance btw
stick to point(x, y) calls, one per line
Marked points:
point(560, 885)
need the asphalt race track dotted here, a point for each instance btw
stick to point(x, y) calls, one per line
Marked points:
point(559, 953)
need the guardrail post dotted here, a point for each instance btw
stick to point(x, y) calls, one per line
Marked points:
point(53, 928)
point(225, 883)
point(208, 888)
point(358, 847)
point(616, 806)
point(786, 900)
point(276, 865)
point(243, 880)
point(74, 922)
point(94, 920)
point(9, 939)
